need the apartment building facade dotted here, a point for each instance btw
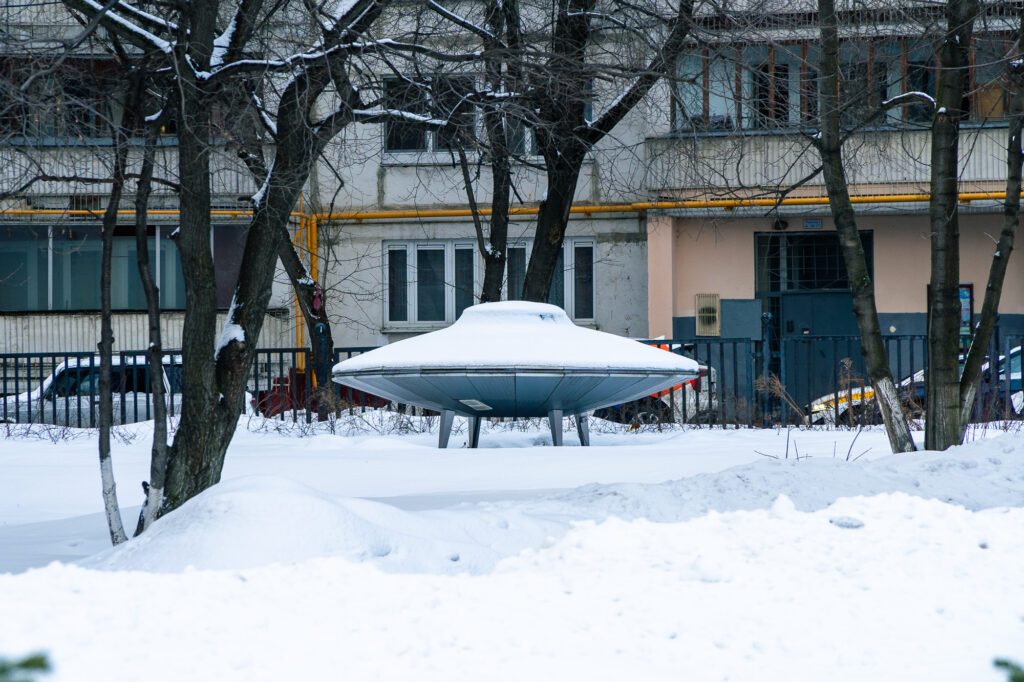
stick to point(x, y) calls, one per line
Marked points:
point(399, 270)
point(396, 249)
point(759, 257)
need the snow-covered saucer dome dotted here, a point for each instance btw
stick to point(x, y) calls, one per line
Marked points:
point(514, 359)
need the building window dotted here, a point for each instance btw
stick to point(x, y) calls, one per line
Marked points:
point(769, 95)
point(990, 88)
point(692, 87)
point(863, 86)
point(76, 99)
point(762, 87)
point(804, 262)
point(58, 268)
point(442, 98)
point(920, 78)
point(778, 85)
point(572, 288)
point(520, 135)
point(24, 268)
point(428, 282)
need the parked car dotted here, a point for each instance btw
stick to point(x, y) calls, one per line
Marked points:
point(70, 395)
point(290, 393)
point(693, 401)
point(834, 408)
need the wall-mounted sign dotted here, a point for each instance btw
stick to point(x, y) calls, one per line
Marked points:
point(812, 223)
point(966, 309)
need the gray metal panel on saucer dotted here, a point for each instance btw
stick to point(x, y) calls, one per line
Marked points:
point(514, 359)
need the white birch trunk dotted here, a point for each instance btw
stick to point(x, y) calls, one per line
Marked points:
point(891, 408)
point(152, 508)
point(110, 507)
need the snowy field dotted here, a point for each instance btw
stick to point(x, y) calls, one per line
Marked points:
point(675, 555)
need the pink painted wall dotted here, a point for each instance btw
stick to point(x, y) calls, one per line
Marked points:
point(660, 266)
point(717, 256)
point(714, 257)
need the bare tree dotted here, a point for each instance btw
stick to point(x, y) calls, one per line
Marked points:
point(971, 375)
point(154, 489)
point(206, 61)
point(110, 505)
point(559, 93)
point(942, 399)
point(829, 143)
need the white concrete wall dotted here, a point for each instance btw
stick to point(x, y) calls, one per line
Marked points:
point(355, 277)
point(80, 332)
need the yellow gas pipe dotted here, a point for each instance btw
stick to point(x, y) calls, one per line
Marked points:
point(308, 223)
point(633, 207)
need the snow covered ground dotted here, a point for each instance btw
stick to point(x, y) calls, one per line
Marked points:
point(679, 555)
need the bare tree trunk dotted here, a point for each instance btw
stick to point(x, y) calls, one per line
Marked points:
point(106, 406)
point(214, 375)
point(1011, 217)
point(862, 288)
point(199, 447)
point(496, 255)
point(942, 383)
point(502, 19)
point(314, 312)
point(200, 444)
point(564, 136)
point(193, 461)
point(563, 175)
point(158, 456)
point(187, 462)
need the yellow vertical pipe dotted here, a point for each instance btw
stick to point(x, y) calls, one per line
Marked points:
point(314, 228)
point(311, 246)
point(300, 320)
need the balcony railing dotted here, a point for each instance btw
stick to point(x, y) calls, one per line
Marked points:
point(886, 160)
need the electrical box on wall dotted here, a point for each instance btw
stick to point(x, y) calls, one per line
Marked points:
point(709, 315)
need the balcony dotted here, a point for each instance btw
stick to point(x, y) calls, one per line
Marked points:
point(881, 161)
point(30, 158)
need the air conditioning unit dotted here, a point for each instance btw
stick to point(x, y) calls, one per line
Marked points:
point(709, 315)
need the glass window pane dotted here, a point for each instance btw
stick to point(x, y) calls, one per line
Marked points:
point(430, 285)
point(690, 94)
point(126, 292)
point(863, 84)
point(172, 281)
point(228, 247)
point(450, 95)
point(404, 135)
point(721, 93)
point(464, 285)
point(398, 290)
point(518, 137)
point(990, 77)
point(556, 295)
point(583, 282)
point(812, 262)
point(516, 272)
point(23, 268)
point(77, 256)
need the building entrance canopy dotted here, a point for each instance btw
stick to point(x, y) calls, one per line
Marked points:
point(514, 359)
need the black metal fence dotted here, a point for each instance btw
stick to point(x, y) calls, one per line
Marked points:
point(808, 379)
point(822, 380)
point(63, 388)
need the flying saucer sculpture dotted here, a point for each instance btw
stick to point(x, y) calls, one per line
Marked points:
point(514, 359)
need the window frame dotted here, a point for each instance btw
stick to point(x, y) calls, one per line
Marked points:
point(569, 246)
point(883, 67)
point(411, 247)
point(56, 277)
point(432, 145)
